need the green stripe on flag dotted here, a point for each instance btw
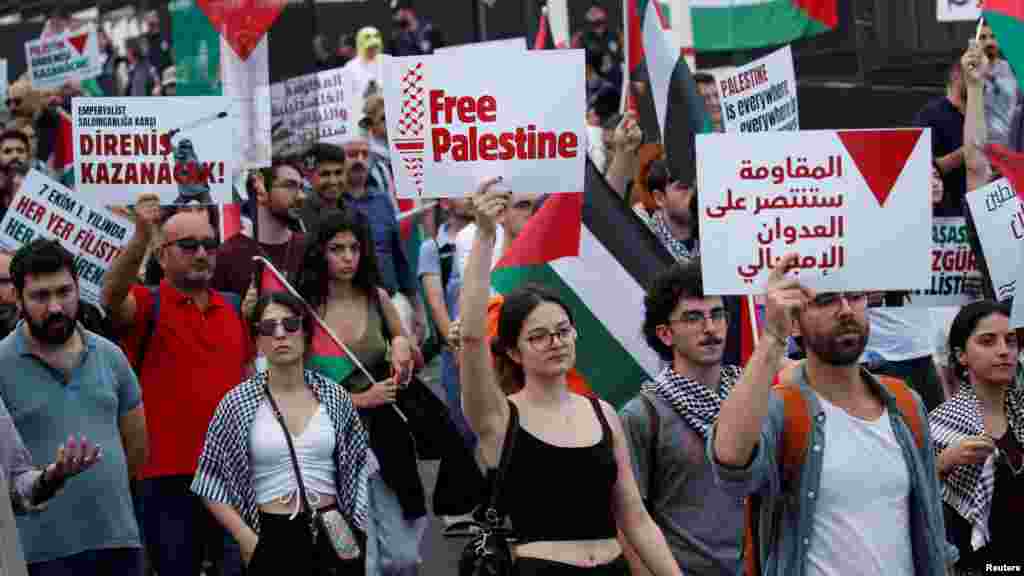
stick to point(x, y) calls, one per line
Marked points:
point(739, 27)
point(1010, 33)
point(196, 50)
point(336, 368)
point(610, 370)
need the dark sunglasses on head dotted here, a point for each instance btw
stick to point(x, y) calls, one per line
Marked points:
point(292, 324)
point(193, 244)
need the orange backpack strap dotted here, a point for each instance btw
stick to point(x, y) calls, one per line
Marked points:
point(907, 405)
point(796, 436)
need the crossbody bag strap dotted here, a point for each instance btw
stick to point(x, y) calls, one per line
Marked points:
point(494, 518)
point(295, 463)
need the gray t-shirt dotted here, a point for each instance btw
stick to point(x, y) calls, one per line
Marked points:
point(703, 525)
point(94, 511)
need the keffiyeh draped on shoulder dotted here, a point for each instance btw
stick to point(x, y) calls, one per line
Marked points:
point(969, 489)
point(695, 403)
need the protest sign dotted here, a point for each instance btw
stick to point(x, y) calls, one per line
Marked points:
point(952, 262)
point(761, 96)
point(957, 10)
point(453, 121)
point(310, 109)
point(514, 44)
point(181, 148)
point(43, 208)
point(68, 57)
point(3, 84)
point(999, 220)
point(849, 202)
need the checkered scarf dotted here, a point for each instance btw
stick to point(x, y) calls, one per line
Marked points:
point(695, 403)
point(675, 247)
point(969, 489)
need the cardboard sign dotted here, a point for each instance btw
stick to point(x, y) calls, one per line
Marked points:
point(958, 10)
point(43, 208)
point(310, 109)
point(761, 96)
point(952, 262)
point(999, 219)
point(68, 57)
point(181, 148)
point(453, 121)
point(849, 202)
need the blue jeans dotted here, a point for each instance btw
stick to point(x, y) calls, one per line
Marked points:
point(178, 527)
point(453, 392)
point(106, 562)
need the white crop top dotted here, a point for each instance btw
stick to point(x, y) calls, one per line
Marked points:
point(272, 471)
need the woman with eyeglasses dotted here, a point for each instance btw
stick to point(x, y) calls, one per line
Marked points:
point(979, 438)
point(339, 280)
point(246, 473)
point(562, 435)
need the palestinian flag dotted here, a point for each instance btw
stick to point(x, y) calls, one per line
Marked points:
point(679, 108)
point(720, 25)
point(599, 257)
point(541, 40)
point(1009, 163)
point(329, 356)
point(1006, 17)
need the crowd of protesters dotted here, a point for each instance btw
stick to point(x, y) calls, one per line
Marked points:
point(193, 434)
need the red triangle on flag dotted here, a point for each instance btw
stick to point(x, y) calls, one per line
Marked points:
point(1009, 164)
point(880, 155)
point(552, 233)
point(242, 23)
point(78, 42)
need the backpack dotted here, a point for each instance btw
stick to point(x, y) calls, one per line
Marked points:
point(154, 314)
point(796, 438)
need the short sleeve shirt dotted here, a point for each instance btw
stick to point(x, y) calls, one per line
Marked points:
point(194, 358)
point(94, 511)
point(947, 124)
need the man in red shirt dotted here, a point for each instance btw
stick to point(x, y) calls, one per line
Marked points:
point(196, 350)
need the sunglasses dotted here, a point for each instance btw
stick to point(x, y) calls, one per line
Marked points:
point(193, 244)
point(291, 324)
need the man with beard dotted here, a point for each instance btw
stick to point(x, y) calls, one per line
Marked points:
point(60, 379)
point(675, 221)
point(189, 347)
point(330, 169)
point(1001, 89)
point(865, 499)
point(668, 422)
point(945, 116)
point(366, 193)
point(276, 209)
point(14, 146)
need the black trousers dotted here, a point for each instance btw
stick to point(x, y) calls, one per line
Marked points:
point(286, 547)
point(539, 567)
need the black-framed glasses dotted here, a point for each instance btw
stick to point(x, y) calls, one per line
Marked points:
point(193, 244)
point(832, 299)
point(291, 324)
point(717, 315)
point(541, 341)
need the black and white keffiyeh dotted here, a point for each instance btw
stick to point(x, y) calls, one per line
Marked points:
point(969, 489)
point(695, 403)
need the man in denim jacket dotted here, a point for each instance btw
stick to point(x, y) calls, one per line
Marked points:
point(870, 503)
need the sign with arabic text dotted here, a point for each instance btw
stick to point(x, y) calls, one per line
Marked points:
point(312, 108)
point(998, 217)
point(849, 202)
point(43, 208)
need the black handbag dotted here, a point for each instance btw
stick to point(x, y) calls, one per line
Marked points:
point(489, 551)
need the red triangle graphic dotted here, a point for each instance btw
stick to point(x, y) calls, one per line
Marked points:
point(242, 23)
point(880, 155)
point(78, 42)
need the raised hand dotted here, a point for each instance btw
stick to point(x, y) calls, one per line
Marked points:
point(784, 295)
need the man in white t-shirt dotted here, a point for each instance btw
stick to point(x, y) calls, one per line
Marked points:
point(365, 68)
point(523, 206)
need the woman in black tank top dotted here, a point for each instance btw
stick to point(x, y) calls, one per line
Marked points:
point(569, 489)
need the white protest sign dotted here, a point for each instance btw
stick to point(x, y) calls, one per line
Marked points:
point(453, 121)
point(68, 57)
point(999, 221)
point(3, 84)
point(761, 96)
point(849, 202)
point(514, 44)
point(952, 262)
point(1017, 310)
point(957, 10)
point(310, 109)
point(181, 148)
point(43, 208)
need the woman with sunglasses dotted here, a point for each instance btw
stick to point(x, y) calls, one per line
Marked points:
point(979, 438)
point(246, 474)
point(576, 440)
point(339, 279)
